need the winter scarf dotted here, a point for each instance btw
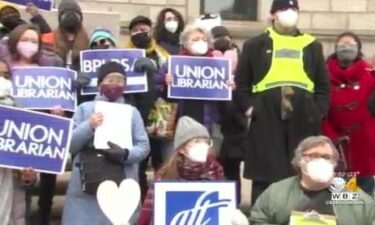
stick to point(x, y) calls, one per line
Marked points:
point(189, 170)
point(339, 75)
point(211, 170)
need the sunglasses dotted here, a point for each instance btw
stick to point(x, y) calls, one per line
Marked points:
point(100, 42)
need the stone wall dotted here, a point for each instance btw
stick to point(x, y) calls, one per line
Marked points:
point(323, 18)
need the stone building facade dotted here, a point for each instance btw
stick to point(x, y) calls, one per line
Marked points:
point(323, 18)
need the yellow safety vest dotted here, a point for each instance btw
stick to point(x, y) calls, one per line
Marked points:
point(287, 68)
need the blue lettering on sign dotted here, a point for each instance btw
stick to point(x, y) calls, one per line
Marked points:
point(193, 208)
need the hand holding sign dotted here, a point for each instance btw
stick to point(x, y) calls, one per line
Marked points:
point(96, 120)
point(28, 176)
point(32, 9)
point(57, 110)
point(119, 203)
point(168, 79)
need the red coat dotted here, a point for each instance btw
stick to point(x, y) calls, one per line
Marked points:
point(349, 113)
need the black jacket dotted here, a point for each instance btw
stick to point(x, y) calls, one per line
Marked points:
point(233, 124)
point(271, 140)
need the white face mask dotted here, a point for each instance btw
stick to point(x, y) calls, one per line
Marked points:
point(27, 49)
point(5, 87)
point(198, 152)
point(171, 26)
point(320, 170)
point(199, 47)
point(288, 18)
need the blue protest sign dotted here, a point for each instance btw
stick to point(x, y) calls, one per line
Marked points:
point(199, 78)
point(91, 61)
point(41, 4)
point(33, 139)
point(42, 88)
point(182, 203)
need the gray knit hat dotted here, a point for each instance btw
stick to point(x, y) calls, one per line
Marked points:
point(187, 129)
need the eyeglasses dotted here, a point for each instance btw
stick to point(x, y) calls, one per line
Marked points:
point(312, 156)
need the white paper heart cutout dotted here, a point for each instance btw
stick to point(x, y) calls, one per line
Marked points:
point(119, 203)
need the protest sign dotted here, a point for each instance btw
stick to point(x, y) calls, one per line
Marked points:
point(92, 60)
point(42, 88)
point(199, 78)
point(41, 4)
point(184, 203)
point(33, 139)
point(117, 126)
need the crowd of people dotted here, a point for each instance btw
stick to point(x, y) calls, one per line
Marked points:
point(295, 119)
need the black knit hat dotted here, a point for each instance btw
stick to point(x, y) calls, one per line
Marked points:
point(68, 5)
point(110, 67)
point(220, 31)
point(283, 4)
point(139, 19)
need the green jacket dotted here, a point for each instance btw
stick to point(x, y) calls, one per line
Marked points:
point(275, 205)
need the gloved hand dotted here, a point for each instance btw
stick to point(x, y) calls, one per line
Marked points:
point(144, 65)
point(82, 80)
point(238, 218)
point(115, 153)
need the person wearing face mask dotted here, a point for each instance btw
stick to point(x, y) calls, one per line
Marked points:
point(10, 18)
point(191, 161)
point(81, 206)
point(141, 38)
point(195, 41)
point(13, 182)
point(282, 86)
point(23, 49)
point(71, 37)
point(314, 160)
point(349, 118)
point(169, 25)
point(232, 121)
point(102, 38)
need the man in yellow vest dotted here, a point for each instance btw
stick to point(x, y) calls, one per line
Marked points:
point(282, 86)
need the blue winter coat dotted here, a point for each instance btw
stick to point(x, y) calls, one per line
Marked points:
point(81, 208)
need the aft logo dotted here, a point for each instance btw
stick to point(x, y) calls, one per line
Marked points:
point(345, 193)
point(194, 203)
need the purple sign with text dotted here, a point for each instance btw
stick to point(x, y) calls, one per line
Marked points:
point(41, 4)
point(42, 88)
point(33, 139)
point(91, 61)
point(199, 78)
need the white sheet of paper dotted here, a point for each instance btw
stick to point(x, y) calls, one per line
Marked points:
point(116, 126)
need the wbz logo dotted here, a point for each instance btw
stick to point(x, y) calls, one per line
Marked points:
point(346, 193)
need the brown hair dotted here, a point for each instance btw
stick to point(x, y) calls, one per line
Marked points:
point(81, 42)
point(169, 170)
point(14, 38)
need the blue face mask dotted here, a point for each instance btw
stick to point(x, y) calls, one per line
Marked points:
point(347, 53)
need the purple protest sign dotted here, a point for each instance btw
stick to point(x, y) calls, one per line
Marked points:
point(33, 139)
point(42, 88)
point(41, 4)
point(199, 78)
point(91, 60)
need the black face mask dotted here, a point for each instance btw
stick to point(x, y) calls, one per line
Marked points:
point(70, 22)
point(141, 40)
point(11, 22)
point(222, 44)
